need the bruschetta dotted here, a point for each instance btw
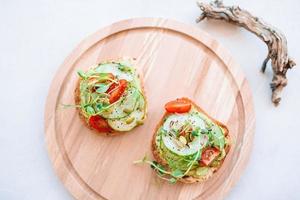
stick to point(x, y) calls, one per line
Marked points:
point(110, 97)
point(188, 145)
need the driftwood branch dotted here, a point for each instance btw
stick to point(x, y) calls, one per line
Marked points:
point(275, 40)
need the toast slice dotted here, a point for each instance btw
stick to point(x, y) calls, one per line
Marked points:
point(117, 124)
point(158, 155)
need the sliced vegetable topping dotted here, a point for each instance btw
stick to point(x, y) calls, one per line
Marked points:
point(135, 116)
point(117, 91)
point(99, 124)
point(178, 106)
point(209, 155)
point(110, 92)
point(189, 142)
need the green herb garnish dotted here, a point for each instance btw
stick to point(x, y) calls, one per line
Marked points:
point(90, 110)
point(102, 88)
point(82, 74)
point(177, 173)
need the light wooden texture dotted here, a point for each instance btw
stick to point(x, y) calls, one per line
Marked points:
point(176, 60)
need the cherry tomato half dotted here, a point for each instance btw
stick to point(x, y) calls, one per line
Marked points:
point(117, 91)
point(178, 106)
point(99, 123)
point(112, 87)
point(208, 155)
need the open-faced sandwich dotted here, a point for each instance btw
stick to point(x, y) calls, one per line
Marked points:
point(110, 97)
point(188, 145)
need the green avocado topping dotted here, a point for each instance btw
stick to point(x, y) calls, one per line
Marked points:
point(182, 141)
point(96, 88)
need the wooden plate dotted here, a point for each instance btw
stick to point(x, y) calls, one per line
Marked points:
point(176, 60)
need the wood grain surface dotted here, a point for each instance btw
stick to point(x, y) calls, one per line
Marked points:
point(176, 60)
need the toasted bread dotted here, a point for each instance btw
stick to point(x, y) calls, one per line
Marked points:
point(190, 179)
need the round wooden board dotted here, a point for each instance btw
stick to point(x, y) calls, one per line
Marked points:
point(176, 60)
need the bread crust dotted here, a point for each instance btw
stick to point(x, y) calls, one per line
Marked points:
point(190, 179)
point(85, 120)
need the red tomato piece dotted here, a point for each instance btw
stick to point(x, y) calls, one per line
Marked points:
point(112, 87)
point(208, 155)
point(117, 92)
point(99, 123)
point(178, 106)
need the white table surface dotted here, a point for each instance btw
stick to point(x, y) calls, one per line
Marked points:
point(36, 36)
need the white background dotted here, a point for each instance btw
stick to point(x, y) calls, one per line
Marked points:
point(36, 36)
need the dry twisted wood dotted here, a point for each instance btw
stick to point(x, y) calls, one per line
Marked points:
point(275, 40)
